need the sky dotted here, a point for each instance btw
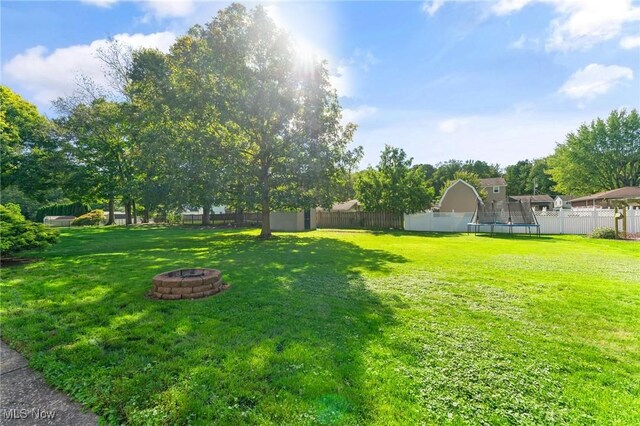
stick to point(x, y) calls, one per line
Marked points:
point(499, 81)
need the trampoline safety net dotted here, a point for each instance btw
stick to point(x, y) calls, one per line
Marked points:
point(505, 212)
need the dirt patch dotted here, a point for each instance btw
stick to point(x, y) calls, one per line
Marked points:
point(8, 262)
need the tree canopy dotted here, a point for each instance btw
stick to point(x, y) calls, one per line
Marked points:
point(599, 156)
point(393, 185)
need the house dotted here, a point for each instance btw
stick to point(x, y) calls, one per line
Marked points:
point(563, 201)
point(459, 197)
point(298, 220)
point(606, 199)
point(538, 202)
point(496, 188)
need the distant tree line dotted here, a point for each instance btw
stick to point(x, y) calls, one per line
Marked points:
point(230, 117)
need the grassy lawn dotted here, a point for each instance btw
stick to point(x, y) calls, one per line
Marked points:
point(336, 327)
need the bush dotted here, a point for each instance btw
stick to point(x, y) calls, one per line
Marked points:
point(95, 217)
point(604, 232)
point(69, 209)
point(18, 234)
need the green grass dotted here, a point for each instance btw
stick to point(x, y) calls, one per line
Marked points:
point(336, 328)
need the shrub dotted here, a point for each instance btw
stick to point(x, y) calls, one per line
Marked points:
point(68, 209)
point(95, 217)
point(18, 234)
point(603, 232)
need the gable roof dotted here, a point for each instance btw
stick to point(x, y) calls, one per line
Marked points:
point(614, 194)
point(454, 184)
point(566, 198)
point(347, 205)
point(494, 181)
point(538, 198)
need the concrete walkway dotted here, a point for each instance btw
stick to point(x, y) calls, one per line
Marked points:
point(26, 399)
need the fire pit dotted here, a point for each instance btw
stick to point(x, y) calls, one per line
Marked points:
point(187, 284)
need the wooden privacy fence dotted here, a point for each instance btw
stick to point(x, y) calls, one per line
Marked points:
point(359, 220)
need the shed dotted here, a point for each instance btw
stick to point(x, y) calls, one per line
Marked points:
point(58, 221)
point(460, 197)
point(299, 220)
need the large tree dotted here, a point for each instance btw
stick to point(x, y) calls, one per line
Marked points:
point(529, 177)
point(256, 126)
point(30, 159)
point(599, 156)
point(101, 153)
point(393, 185)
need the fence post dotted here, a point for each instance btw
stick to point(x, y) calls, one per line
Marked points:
point(595, 219)
point(561, 217)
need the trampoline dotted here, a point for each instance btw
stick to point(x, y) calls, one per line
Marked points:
point(504, 214)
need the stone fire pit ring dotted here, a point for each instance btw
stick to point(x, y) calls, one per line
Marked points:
point(193, 283)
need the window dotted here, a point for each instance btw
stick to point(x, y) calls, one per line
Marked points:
point(496, 189)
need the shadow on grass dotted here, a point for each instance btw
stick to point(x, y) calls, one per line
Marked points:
point(285, 344)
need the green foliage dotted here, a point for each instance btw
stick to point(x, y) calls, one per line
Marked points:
point(527, 177)
point(350, 328)
point(93, 218)
point(599, 156)
point(445, 172)
point(394, 185)
point(30, 158)
point(246, 124)
point(18, 234)
point(62, 209)
point(517, 177)
point(603, 233)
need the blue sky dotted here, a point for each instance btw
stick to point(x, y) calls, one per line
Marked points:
point(497, 80)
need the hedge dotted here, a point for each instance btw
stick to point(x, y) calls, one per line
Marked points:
point(69, 209)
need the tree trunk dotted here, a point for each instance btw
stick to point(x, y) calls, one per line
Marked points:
point(127, 212)
point(266, 224)
point(145, 218)
point(135, 213)
point(205, 216)
point(239, 217)
point(112, 213)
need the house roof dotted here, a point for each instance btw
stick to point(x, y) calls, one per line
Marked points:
point(539, 198)
point(614, 194)
point(347, 205)
point(566, 198)
point(454, 184)
point(494, 181)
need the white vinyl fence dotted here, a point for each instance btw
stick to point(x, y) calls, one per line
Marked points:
point(579, 222)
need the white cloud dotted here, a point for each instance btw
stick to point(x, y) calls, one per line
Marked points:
point(354, 115)
point(579, 24)
point(100, 3)
point(48, 76)
point(430, 7)
point(519, 43)
point(594, 80)
point(504, 7)
point(170, 8)
point(503, 137)
point(452, 125)
point(630, 42)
